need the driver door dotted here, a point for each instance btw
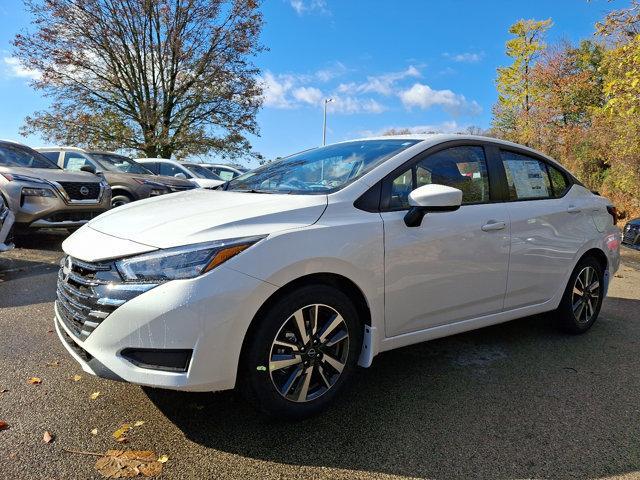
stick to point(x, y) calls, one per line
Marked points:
point(452, 267)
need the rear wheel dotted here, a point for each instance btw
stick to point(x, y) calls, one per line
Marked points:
point(301, 354)
point(582, 298)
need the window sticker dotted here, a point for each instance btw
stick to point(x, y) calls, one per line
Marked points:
point(528, 178)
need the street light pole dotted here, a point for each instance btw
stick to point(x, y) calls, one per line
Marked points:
point(324, 123)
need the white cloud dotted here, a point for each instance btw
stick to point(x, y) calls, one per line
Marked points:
point(350, 105)
point(17, 69)
point(310, 95)
point(381, 84)
point(424, 97)
point(304, 6)
point(466, 57)
point(275, 90)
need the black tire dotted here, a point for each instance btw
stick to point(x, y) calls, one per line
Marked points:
point(256, 380)
point(120, 199)
point(578, 320)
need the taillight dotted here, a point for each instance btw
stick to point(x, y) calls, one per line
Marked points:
point(614, 213)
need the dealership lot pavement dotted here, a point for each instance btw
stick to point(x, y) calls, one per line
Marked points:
point(514, 400)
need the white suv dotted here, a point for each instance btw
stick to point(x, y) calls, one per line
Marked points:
point(308, 266)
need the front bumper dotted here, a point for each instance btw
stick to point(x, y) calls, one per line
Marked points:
point(54, 212)
point(208, 315)
point(6, 223)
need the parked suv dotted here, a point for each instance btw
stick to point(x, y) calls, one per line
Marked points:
point(631, 236)
point(193, 171)
point(42, 195)
point(305, 267)
point(129, 181)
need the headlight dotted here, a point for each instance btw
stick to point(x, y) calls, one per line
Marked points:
point(182, 262)
point(38, 192)
point(16, 177)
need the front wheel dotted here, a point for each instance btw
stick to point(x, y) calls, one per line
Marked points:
point(302, 352)
point(582, 298)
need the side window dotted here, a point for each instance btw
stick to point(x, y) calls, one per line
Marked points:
point(224, 174)
point(558, 181)
point(74, 161)
point(527, 177)
point(53, 156)
point(464, 168)
point(153, 166)
point(169, 170)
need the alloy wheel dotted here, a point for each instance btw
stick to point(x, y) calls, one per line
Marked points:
point(586, 294)
point(309, 353)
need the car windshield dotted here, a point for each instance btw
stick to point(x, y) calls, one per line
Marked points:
point(320, 170)
point(119, 163)
point(12, 155)
point(200, 171)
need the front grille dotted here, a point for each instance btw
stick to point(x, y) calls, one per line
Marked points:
point(81, 190)
point(73, 216)
point(79, 303)
point(630, 235)
point(88, 293)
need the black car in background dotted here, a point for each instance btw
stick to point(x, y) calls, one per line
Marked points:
point(631, 234)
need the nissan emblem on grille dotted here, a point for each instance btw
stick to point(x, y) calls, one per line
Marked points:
point(84, 191)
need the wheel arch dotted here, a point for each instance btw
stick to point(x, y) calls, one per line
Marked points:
point(599, 255)
point(122, 190)
point(335, 280)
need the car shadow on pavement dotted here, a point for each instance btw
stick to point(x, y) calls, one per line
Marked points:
point(512, 400)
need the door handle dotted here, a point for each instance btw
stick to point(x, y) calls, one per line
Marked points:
point(492, 225)
point(573, 209)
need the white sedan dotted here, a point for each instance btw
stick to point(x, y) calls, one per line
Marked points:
point(302, 269)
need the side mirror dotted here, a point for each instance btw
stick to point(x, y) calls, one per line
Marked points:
point(431, 198)
point(180, 175)
point(88, 168)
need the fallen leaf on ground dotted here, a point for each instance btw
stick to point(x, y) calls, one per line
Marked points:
point(138, 423)
point(94, 395)
point(3, 425)
point(35, 381)
point(4, 390)
point(76, 378)
point(128, 463)
point(55, 363)
point(163, 458)
point(121, 434)
point(47, 437)
point(94, 431)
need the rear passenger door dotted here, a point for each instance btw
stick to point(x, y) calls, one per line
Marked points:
point(547, 228)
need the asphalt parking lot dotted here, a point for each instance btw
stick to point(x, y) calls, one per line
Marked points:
point(518, 400)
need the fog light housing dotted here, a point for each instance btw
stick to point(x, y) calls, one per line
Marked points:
point(167, 360)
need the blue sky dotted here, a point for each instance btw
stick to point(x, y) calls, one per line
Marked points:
point(420, 64)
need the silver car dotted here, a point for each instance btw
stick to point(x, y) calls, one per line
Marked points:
point(42, 195)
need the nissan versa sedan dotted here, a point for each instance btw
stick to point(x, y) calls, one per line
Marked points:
point(302, 269)
point(42, 195)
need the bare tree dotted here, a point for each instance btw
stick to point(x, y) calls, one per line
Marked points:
point(158, 76)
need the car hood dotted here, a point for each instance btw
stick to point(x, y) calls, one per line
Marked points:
point(206, 182)
point(199, 215)
point(52, 174)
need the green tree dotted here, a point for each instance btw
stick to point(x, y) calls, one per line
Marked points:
point(618, 119)
point(162, 77)
point(516, 91)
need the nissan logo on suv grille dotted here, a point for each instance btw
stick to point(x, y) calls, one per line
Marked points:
point(84, 191)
